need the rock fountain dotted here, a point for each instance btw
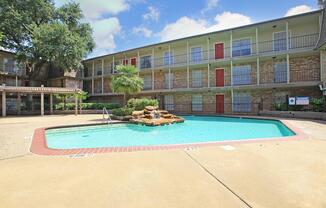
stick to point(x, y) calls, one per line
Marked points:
point(152, 116)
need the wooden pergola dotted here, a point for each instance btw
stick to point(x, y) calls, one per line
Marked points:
point(37, 90)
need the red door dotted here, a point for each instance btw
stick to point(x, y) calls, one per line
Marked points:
point(219, 50)
point(219, 73)
point(220, 104)
point(133, 62)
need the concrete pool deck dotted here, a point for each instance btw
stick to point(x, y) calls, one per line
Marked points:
point(261, 174)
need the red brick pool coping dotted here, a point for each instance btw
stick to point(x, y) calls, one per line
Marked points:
point(39, 145)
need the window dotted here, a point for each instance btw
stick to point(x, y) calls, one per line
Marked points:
point(241, 75)
point(196, 78)
point(241, 102)
point(167, 58)
point(147, 82)
point(241, 47)
point(168, 102)
point(88, 71)
point(9, 65)
point(98, 68)
point(196, 55)
point(10, 82)
point(114, 67)
point(280, 72)
point(146, 62)
point(279, 41)
point(197, 103)
point(166, 80)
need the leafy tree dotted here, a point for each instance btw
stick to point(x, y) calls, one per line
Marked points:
point(63, 97)
point(41, 34)
point(126, 81)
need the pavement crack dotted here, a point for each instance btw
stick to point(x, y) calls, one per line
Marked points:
point(217, 179)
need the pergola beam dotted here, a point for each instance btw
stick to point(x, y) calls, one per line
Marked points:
point(36, 90)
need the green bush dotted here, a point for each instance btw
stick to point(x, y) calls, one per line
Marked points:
point(125, 111)
point(140, 104)
point(88, 106)
point(280, 106)
point(317, 104)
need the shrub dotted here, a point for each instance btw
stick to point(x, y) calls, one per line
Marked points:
point(280, 106)
point(125, 111)
point(140, 104)
point(88, 106)
point(317, 104)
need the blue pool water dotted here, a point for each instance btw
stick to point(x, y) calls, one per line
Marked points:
point(194, 130)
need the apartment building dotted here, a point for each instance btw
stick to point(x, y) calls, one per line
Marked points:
point(239, 70)
point(24, 101)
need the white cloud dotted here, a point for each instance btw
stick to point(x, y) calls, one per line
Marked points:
point(104, 34)
point(186, 26)
point(210, 4)
point(95, 9)
point(298, 10)
point(143, 31)
point(153, 14)
point(229, 20)
point(183, 27)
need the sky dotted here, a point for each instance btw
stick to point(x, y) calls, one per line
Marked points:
point(124, 24)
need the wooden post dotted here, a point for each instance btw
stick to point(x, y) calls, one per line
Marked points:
point(258, 71)
point(4, 110)
point(153, 75)
point(170, 56)
point(208, 65)
point(19, 101)
point(42, 101)
point(80, 105)
point(76, 105)
point(188, 73)
point(51, 104)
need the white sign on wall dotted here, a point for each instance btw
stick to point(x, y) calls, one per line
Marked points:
point(291, 100)
point(302, 101)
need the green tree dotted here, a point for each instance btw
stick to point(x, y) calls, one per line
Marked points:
point(126, 81)
point(63, 97)
point(41, 34)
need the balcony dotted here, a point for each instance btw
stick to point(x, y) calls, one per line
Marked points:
point(238, 51)
point(239, 79)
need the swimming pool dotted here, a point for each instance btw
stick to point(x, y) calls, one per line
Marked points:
point(195, 129)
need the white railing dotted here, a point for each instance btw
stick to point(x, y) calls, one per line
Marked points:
point(105, 112)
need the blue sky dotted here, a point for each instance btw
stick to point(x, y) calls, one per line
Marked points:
point(125, 24)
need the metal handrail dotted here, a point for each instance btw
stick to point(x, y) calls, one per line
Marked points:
point(105, 111)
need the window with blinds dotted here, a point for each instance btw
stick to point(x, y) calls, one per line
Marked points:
point(241, 75)
point(197, 103)
point(242, 102)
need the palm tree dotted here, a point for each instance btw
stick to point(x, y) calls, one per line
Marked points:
point(126, 81)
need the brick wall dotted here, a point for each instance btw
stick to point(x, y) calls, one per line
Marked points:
point(107, 85)
point(323, 66)
point(305, 68)
point(73, 83)
point(183, 102)
point(179, 78)
point(98, 86)
point(266, 70)
point(159, 78)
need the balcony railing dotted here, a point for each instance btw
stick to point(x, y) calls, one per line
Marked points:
point(241, 79)
point(208, 56)
point(212, 107)
point(272, 46)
